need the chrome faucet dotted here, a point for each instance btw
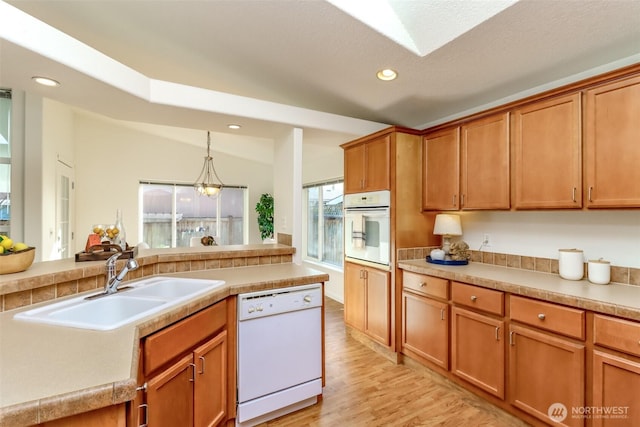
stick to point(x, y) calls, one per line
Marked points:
point(113, 280)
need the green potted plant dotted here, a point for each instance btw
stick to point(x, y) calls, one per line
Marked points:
point(264, 208)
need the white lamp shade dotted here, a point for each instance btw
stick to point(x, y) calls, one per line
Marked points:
point(447, 225)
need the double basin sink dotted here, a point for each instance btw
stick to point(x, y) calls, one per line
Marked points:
point(131, 303)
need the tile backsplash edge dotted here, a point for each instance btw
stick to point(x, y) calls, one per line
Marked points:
point(619, 274)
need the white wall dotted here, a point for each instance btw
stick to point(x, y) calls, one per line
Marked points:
point(287, 188)
point(610, 234)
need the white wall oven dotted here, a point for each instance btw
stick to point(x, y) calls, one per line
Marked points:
point(367, 227)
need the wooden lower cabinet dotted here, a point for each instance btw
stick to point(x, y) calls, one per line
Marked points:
point(425, 328)
point(546, 375)
point(477, 350)
point(367, 301)
point(616, 390)
point(191, 392)
point(111, 416)
point(188, 370)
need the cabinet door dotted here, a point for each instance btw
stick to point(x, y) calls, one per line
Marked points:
point(377, 164)
point(425, 328)
point(546, 371)
point(170, 395)
point(548, 154)
point(354, 164)
point(440, 170)
point(477, 350)
point(378, 306)
point(210, 387)
point(612, 151)
point(616, 386)
point(484, 163)
point(354, 296)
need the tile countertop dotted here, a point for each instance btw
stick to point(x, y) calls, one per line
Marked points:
point(615, 299)
point(48, 372)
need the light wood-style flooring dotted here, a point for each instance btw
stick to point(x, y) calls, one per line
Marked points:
point(365, 389)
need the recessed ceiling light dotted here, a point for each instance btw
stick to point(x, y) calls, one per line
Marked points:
point(233, 126)
point(45, 81)
point(387, 74)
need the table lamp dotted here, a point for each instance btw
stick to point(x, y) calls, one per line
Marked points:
point(447, 226)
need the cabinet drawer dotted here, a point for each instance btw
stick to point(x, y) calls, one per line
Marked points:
point(426, 285)
point(476, 297)
point(174, 340)
point(552, 317)
point(618, 334)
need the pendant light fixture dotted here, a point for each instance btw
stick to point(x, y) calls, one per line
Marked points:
point(208, 183)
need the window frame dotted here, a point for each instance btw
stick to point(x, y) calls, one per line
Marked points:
point(321, 243)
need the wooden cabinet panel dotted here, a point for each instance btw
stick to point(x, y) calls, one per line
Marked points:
point(162, 346)
point(111, 416)
point(612, 151)
point(354, 296)
point(547, 147)
point(425, 328)
point(378, 305)
point(477, 350)
point(479, 298)
point(170, 395)
point(484, 163)
point(367, 301)
point(354, 171)
point(367, 166)
point(377, 164)
point(210, 396)
point(617, 334)
point(552, 317)
point(616, 387)
point(426, 285)
point(441, 170)
point(544, 370)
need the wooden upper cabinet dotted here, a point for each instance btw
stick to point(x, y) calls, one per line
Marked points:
point(484, 163)
point(547, 154)
point(367, 166)
point(612, 144)
point(441, 170)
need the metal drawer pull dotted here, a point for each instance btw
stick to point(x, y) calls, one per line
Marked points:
point(474, 298)
point(202, 369)
point(442, 314)
point(497, 333)
point(511, 341)
point(146, 414)
point(193, 372)
point(423, 284)
point(573, 195)
point(541, 316)
point(453, 200)
point(590, 190)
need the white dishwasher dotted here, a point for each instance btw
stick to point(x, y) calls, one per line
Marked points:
point(279, 352)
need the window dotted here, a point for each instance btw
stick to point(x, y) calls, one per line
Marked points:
point(5, 161)
point(174, 214)
point(324, 222)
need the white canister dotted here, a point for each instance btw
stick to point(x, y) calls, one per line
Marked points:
point(571, 264)
point(599, 271)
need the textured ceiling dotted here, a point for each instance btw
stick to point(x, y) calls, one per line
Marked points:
point(452, 56)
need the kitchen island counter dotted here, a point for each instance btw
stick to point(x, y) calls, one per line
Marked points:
point(49, 372)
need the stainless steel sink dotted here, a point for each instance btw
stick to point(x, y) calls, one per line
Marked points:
point(140, 299)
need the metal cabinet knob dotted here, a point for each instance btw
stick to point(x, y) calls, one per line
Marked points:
point(541, 316)
point(423, 284)
point(474, 298)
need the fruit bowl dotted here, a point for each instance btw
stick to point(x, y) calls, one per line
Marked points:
point(14, 262)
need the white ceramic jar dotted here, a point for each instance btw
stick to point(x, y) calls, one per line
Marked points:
point(571, 264)
point(599, 271)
